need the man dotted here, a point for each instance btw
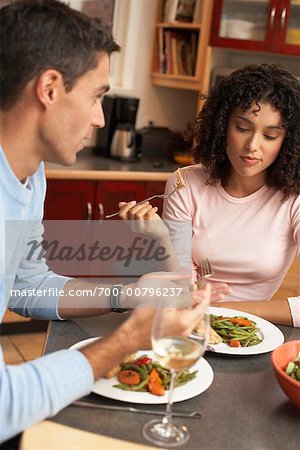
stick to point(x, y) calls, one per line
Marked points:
point(55, 65)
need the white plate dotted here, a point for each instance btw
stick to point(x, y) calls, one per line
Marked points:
point(271, 336)
point(191, 389)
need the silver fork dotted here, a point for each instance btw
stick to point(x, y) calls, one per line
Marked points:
point(204, 271)
point(146, 200)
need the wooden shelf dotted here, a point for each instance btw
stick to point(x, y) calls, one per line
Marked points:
point(171, 68)
point(175, 81)
point(179, 25)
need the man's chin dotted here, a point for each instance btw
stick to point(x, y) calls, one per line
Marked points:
point(68, 161)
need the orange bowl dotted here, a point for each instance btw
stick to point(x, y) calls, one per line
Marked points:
point(280, 357)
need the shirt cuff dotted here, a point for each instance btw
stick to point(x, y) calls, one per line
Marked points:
point(294, 304)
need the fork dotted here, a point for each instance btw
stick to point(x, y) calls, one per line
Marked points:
point(146, 200)
point(204, 271)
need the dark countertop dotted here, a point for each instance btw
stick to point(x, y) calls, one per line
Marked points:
point(91, 166)
point(244, 408)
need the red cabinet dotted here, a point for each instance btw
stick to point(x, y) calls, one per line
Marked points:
point(69, 200)
point(110, 193)
point(85, 199)
point(261, 25)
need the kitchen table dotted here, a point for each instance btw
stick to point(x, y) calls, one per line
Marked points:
point(244, 408)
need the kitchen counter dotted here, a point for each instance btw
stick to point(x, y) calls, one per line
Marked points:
point(92, 167)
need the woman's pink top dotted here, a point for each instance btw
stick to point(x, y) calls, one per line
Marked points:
point(250, 241)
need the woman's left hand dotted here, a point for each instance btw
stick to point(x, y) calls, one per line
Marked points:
point(219, 291)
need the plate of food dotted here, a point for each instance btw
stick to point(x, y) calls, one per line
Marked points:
point(235, 332)
point(141, 379)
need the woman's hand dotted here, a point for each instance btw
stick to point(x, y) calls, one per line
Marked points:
point(219, 291)
point(145, 211)
point(143, 219)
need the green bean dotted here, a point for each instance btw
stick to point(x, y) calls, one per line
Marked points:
point(246, 335)
point(145, 368)
point(136, 368)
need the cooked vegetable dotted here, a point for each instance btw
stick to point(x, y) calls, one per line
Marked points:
point(152, 377)
point(241, 321)
point(144, 377)
point(129, 377)
point(155, 384)
point(293, 368)
point(156, 388)
point(235, 331)
point(142, 360)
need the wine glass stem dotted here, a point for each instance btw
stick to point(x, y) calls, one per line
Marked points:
point(167, 420)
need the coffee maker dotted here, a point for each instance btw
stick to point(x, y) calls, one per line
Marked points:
point(118, 138)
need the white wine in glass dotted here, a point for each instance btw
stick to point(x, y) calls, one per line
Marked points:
point(175, 353)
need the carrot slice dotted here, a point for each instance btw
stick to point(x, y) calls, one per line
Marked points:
point(241, 321)
point(154, 377)
point(234, 343)
point(129, 377)
point(156, 388)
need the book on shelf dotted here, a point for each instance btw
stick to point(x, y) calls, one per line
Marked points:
point(177, 52)
point(169, 10)
point(197, 18)
point(181, 11)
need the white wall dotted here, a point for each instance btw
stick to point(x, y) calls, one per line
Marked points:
point(164, 106)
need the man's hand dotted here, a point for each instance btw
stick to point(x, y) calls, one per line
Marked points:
point(135, 333)
point(174, 287)
point(180, 321)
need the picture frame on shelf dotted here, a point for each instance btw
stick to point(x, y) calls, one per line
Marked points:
point(185, 11)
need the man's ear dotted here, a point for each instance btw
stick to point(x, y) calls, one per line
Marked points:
point(48, 86)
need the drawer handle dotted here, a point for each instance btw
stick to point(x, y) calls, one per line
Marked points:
point(89, 211)
point(272, 15)
point(101, 211)
point(283, 16)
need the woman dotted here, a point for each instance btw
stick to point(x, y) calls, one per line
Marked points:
point(242, 199)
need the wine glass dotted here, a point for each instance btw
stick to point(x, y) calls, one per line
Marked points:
point(176, 353)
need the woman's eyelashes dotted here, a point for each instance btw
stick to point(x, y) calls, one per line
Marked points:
point(270, 138)
point(242, 129)
point(266, 136)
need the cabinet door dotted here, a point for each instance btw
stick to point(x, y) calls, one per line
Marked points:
point(69, 200)
point(110, 193)
point(288, 38)
point(244, 24)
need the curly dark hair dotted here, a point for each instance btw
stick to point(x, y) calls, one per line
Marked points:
point(262, 82)
point(40, 34)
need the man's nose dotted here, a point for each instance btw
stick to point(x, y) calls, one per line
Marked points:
point(97, 116)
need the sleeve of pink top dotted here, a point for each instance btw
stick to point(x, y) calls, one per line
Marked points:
point(177, 217)
point(294, 304)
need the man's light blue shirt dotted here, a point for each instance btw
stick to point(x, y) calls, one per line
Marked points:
point(35, 390)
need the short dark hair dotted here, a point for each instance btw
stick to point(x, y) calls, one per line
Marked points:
point(262, 82)
point(37, 35)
